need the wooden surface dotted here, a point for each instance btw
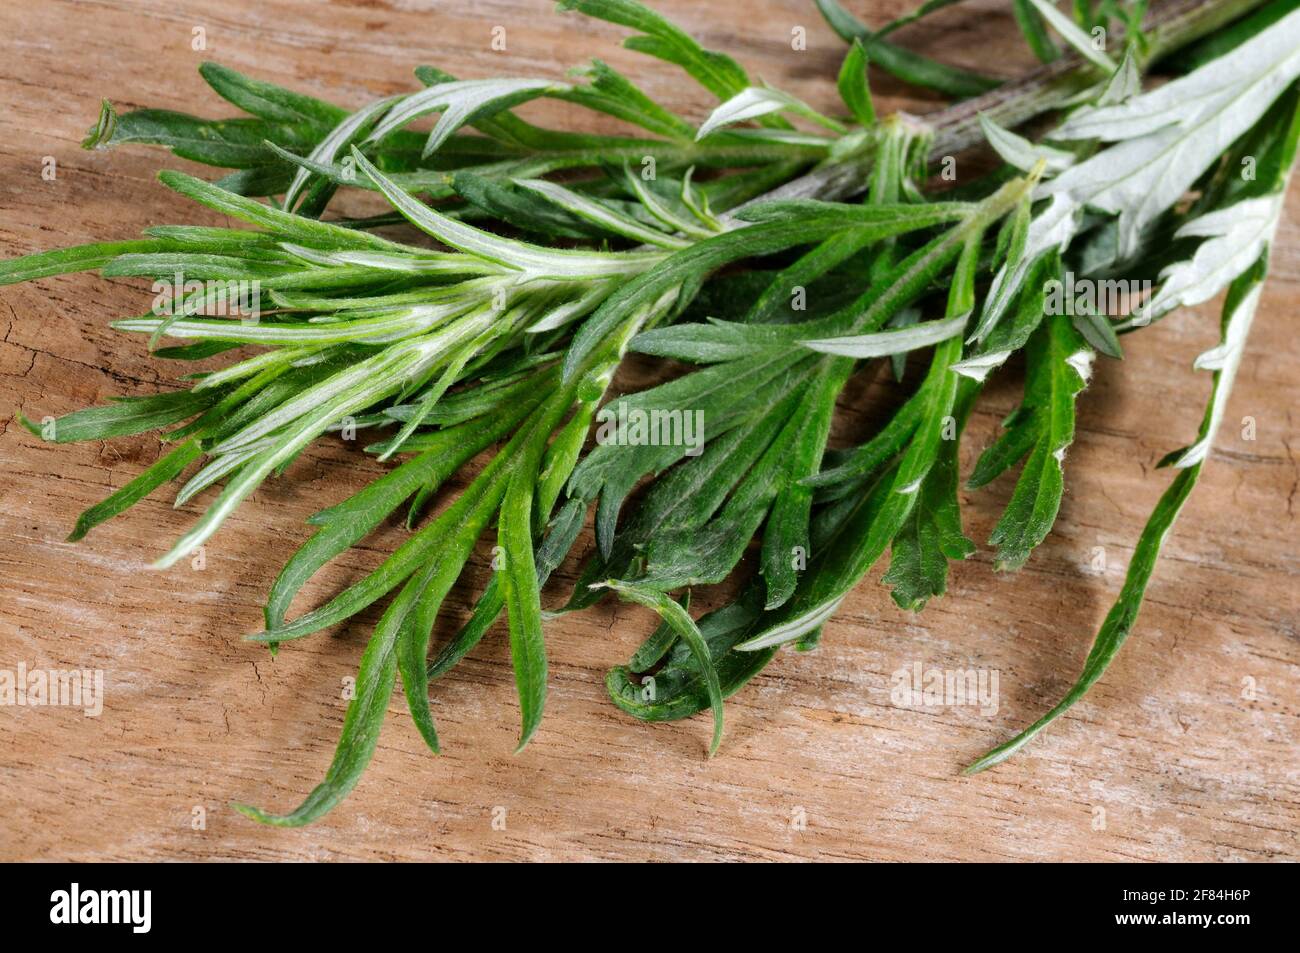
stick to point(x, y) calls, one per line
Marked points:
point(1166, 749)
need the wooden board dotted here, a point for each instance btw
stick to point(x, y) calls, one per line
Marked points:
point(1171, 757)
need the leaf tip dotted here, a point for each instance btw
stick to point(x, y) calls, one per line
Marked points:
point(247, 810)
point(261, 817)
point(525, 737)
point(993, 757)
point(101, 134)
point(31, 426)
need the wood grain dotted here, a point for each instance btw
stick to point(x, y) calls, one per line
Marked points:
point(1183, 765)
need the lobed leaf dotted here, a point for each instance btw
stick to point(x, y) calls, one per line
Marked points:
point(716, 72)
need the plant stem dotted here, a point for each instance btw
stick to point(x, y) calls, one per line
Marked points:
point(1169, 26)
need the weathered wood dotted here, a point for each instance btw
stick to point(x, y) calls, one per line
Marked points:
point(1184, 766)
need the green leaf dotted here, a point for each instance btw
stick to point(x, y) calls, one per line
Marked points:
point(856, 465)
point(776, 302)
point(361, 723)
point(293, 227)
point(194, 352)
point(716, 72)
point(65, 261)
point(1020, 152)
point(688, 495)
point(677, 689)
point(1059, 364)
point(261, 180)
point(547, 556)
point(461, 102)
point(755, 101)
point(267, 100)
point(875, 519)
point(716, 341)
point(297, 422)
point(128, 415)
point(1238, 313)
point(599, 213)
point(677, 617)
point(613, 93)
point(447, 544)
point(617, 464)
point(1070, 33)
point(345, 132)
point(194, 266)
point(704, 553)
point(433, 394)
point(167, 467)
point(881, 512)
point(896, 341)
point(1239, 310)
point(877, 220)
point(534, 260)
point(786, 533)
point(456, 531)
point(489, 485)
point(661, 199)
point(906, 65)
point(1009, 336)
point(659, 642)
point(1119, 621)
point(853, 86)
point(228, 143)
point(345, 524)
point(520, 589)
point(918, 562)
point(925, 9)
point(1031, 25)
point(1100, 334)
point(783, 225)
point(524, 207)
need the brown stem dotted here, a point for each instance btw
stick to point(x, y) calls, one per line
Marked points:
point(1169, 26)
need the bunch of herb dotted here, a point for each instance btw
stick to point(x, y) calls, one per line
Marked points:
point(508, 331)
